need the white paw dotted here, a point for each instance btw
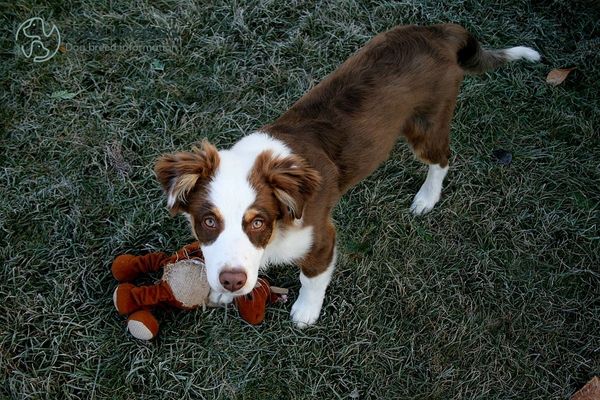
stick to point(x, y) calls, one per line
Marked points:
point(305, 312)
point(423, 202)
point(219, 299)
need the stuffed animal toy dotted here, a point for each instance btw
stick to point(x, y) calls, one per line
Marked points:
point(183, 285)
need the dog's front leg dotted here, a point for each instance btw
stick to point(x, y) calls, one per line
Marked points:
point(316, 270)
point(307, 307)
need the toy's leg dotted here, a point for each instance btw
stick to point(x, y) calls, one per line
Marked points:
point(127, 267)
point(142, 325)
point(129, 298)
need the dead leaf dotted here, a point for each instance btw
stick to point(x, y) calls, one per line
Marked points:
point(62, 48)
point(558, 76)
point(114, 152)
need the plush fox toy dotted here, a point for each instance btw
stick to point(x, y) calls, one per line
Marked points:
point(183, 285)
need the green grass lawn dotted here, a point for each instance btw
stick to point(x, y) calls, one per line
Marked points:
point(493, 295)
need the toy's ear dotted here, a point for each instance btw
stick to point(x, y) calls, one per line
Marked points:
point(293, 182)
point(180, 173)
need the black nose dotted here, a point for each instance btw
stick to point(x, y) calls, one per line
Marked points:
point(232, 280)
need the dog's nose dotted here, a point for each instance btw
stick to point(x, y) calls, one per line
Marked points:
point(232, 280)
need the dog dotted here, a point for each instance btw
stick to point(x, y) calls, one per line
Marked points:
point(269, 198)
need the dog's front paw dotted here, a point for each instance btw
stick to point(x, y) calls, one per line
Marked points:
point(216, 299)
point(305, 312)
point(424, 202)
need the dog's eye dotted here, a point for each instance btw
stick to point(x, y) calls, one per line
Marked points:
point(210, 222)
point(257, 223)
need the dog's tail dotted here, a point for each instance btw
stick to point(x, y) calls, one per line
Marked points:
point(476, 60)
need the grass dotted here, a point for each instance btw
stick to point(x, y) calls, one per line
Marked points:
point(494, 295)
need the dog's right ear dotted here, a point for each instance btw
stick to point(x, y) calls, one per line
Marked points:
point(180, 173)
point(292, 180)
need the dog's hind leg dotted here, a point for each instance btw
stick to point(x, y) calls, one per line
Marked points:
point(429, 138)
point(430, 191)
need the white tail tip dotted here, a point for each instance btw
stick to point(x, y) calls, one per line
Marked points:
point(522, 52)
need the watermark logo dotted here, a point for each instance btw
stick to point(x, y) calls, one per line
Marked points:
point(37, 39)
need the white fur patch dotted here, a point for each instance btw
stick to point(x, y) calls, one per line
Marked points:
point(307, 308)
point(219, 299)
point(288, 245)
point(430, 191)
point(257, 142)
point(522, 52)
point(171, 198)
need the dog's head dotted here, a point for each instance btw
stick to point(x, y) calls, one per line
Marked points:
point(235, 200)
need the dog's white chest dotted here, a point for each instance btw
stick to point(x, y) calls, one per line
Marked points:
point(288, 245)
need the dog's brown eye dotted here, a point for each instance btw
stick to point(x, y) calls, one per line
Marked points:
point(210, 222)
point(257, 223)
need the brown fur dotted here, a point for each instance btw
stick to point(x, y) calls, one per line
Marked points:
point(283, 186)
point(259, 237)
point(181, 173)
point(185, 175)
point(199, 209)
point(404, 82)
point(289, 180)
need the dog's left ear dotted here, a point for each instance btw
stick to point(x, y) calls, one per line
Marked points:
point(293, 181)
point(180, 173)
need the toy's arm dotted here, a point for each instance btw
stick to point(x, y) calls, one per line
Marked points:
point(127, 267)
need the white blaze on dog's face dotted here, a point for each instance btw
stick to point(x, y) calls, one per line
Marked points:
point(234, 200)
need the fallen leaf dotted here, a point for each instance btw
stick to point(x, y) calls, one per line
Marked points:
point(157, 65)
point(116, 159)
point(502, 157)
point(62, 48)
point(558, 76)
point(62, 95)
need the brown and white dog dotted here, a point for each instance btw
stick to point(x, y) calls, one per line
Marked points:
point(269, 198)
